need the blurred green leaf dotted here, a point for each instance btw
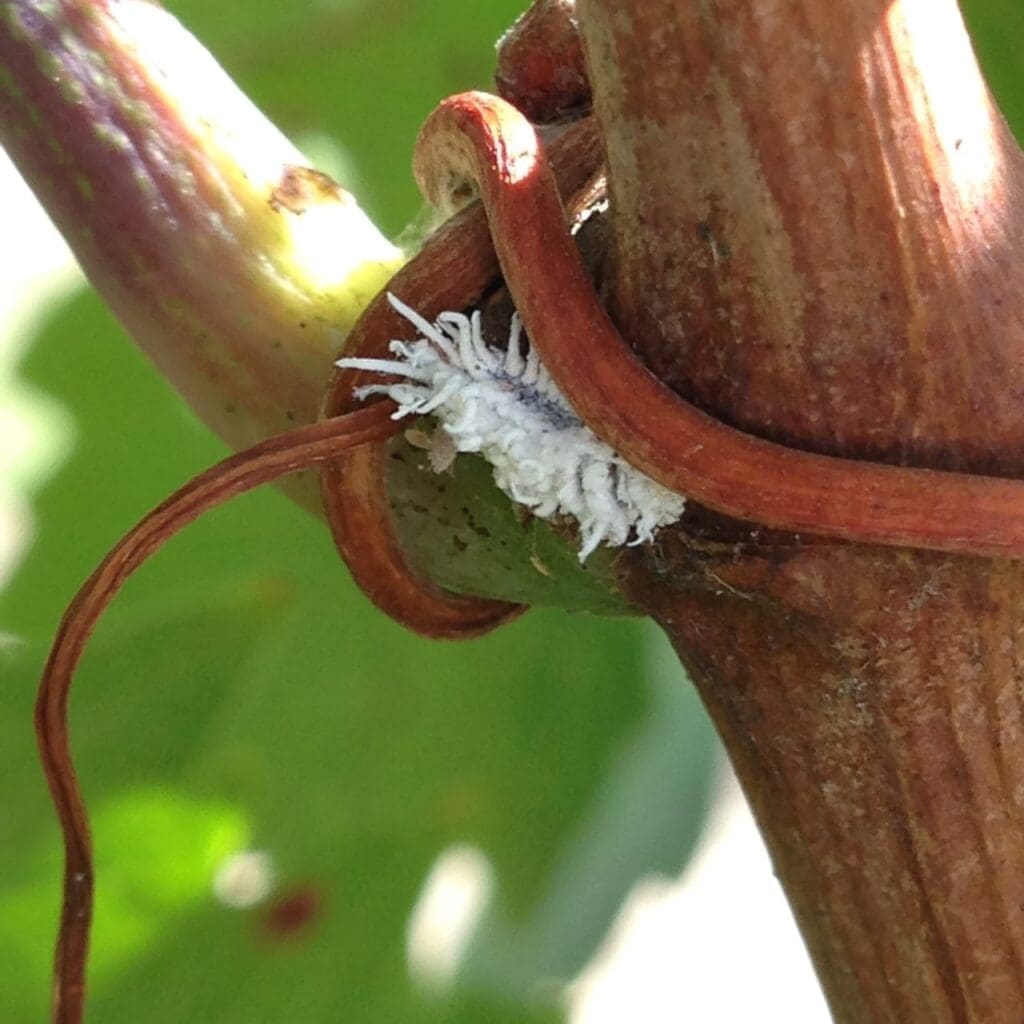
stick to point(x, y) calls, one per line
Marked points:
point(997, 30)
point(645, 820)
point(156, 846)
point(243, 694)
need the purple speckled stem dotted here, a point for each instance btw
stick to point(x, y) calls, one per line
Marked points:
point(196, 220)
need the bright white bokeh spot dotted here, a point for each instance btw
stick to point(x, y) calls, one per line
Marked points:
point(36, 272)
point(244, 879)
point(455, 894)
point(716, 946)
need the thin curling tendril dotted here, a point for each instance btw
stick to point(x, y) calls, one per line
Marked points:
point(475, 142)
point(482, 140)
point(235, 475)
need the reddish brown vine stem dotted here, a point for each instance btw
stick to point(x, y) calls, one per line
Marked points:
point(480, 141)
point(260, 464)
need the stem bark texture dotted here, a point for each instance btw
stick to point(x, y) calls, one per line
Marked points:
point(816, 235)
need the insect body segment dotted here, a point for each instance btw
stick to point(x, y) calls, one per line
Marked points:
point(505, 406)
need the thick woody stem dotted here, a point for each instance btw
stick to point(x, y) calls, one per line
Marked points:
point(830, 204)
point(816, 215)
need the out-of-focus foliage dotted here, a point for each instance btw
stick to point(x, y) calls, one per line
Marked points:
point(242, 694)
point(997, 28)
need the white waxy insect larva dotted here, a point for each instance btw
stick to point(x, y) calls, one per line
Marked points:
point(506, 406)
point(532, 370)
point(441, 397)
point(425, 327)
point(394, 367)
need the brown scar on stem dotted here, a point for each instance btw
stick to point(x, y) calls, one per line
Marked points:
point(538, 563)
point(303, 187)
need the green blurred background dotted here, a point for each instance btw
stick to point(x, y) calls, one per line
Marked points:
point(242, 695)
